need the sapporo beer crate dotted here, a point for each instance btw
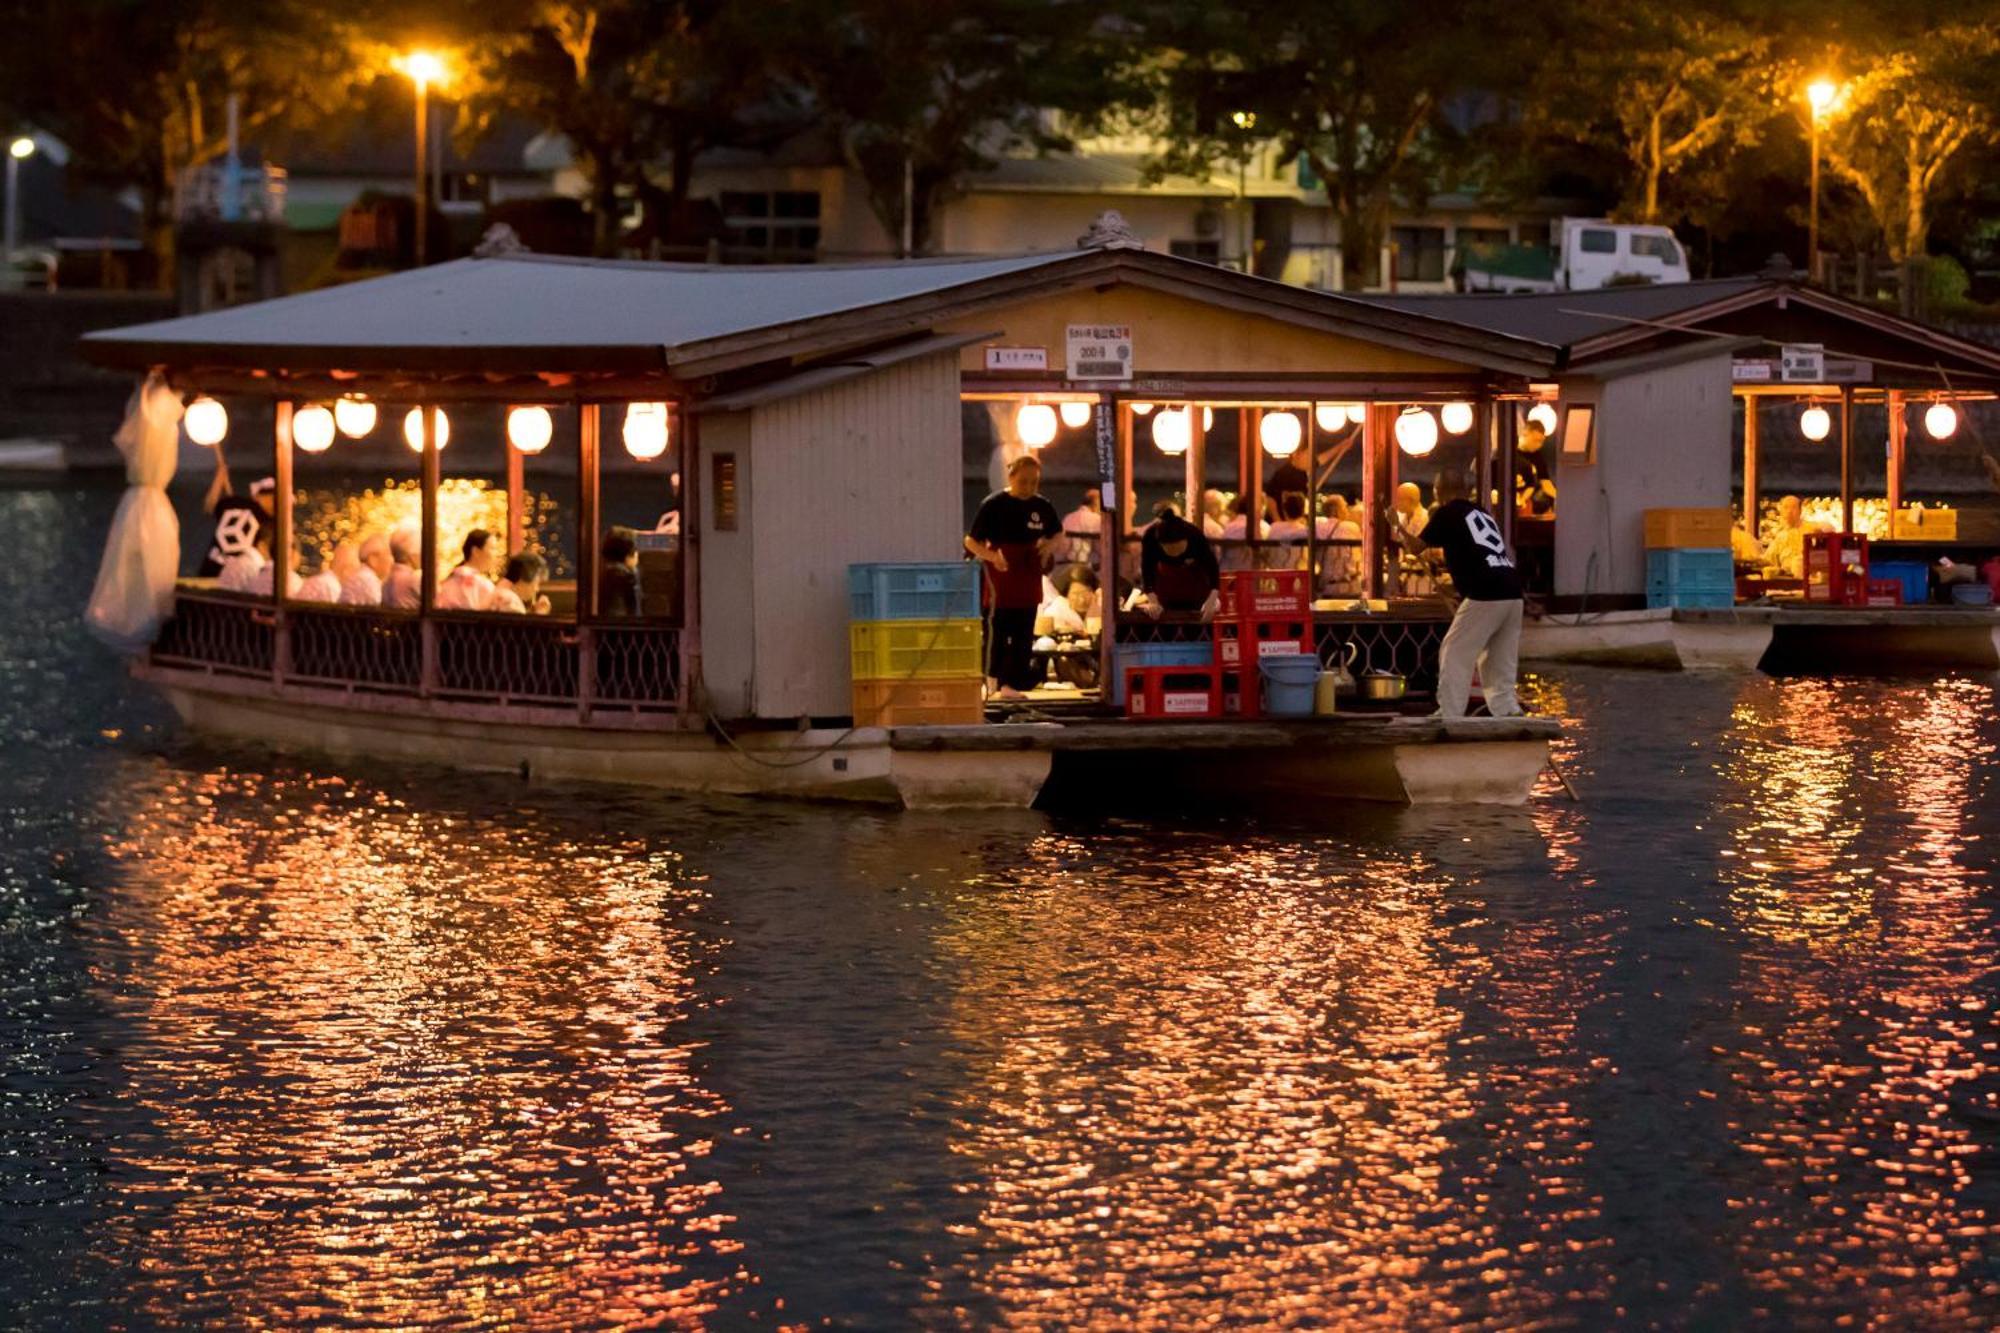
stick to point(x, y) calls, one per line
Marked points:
point(1836, 566)
point(1175, 693)
point(1687, 527)
point(914, 649)
point(919, 703)
point(1266, 594)
point(1263, 637)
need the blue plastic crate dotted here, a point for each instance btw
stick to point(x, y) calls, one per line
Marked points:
point(1691, 569)
point(1129, 655)
point(934, 590)
point(1914, 575)
point(1692, 599)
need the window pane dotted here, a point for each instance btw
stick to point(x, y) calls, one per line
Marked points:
point(1599, 241)
point(796, 204)
point(745, 204)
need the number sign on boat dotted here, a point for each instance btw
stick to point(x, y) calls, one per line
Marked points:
point(1098, 351)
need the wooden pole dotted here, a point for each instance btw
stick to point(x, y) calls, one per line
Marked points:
point(1250, 465)
point(1510, 435)
point(281, 541)
point(1375, 513)
point(427, 498)
point(423, 170)
point(587, 540)
point(1899, 437)
point(1749, 463)
point(690, 561)
point(1114, 418)
point(516, 518)
point(1482, 467)
point(1312, 501)
point(1846, 459)
point(1196, 489)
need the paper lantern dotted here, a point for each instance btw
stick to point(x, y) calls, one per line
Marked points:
point(1208, 418)
point(1544, 415)
point(354, 416)
point(1172, 431)
point(1330, 416)
point(1940, 420)
point(1075, 414)
point(206, 421)
point(1456, 417)
point(1280, 433)
point(312, 429)
point(1036, 424)
point(1416, 432)
point(530, 429)
point(645, 430)
point(1357, 413)
point(1141, 409)
point(1815, 422)
point(413, 429)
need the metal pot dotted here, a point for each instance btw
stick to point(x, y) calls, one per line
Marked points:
point(1382, 686)
point(1343, 677)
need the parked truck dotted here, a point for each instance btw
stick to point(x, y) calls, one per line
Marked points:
point(1587, 253)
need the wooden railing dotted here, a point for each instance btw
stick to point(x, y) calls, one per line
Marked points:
point(620, 672)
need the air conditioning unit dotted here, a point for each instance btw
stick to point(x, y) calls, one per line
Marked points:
point(1208, 223)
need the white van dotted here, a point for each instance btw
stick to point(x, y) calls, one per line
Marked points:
point(1589, 253)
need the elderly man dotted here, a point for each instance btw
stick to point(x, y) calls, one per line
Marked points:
point(470, 586)
point(1013, 534)
point(1785, 553)
point(362, 586)
point(325, 585)
point(403, 590)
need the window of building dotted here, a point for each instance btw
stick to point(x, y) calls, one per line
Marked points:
point(1661, 248)
point(1482, 239)
point(1532, 233)
point(465, 187)
point(1419, 253)
point(771, 224)
point(1208, 252)
point(1598, 241)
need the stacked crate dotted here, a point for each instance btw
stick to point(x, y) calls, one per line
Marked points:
point(1688, 560)
point(1265, 613)
point(914, 643)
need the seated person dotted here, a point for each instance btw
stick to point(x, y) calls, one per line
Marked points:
point(1082, 526)
point(1415, 575)
point(470, 586)
point(239, 571)
point(1177, 569)
point(1785, 548)
point(1237, 554)
point(403, 589)
point(1339, 564)
point(363, 585)
point(618, 575)
point(1214, 511)
point(1743, 548)
point(520, 590)
point(1288, 534)
point(325, 586)
point(1073, 610)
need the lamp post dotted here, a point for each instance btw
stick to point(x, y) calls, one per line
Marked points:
point(1819, 96)
point(424, 69)
point(1244, 121)
point(18, 151)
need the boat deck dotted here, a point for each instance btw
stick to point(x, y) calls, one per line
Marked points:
point(1340, 731)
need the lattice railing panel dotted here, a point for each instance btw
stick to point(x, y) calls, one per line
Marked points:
point(509, 658)
point(638, 665)
point(217, 633)
point(1407, 647)
point(355, 648)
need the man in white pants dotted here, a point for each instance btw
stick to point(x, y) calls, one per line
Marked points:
point(1486, 629)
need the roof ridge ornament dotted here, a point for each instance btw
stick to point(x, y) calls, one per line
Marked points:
point(1110, 231)
point(499, 242)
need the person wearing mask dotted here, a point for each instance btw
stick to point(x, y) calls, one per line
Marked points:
point(239, 520)
point(470, 586)
point(1013, 533)
point(403, 590)
point(618, 575)
point(1177, 570)
point(1486, 628)
point(325, 586)
point(240, 571)
point(363, 587)
point(519, 592)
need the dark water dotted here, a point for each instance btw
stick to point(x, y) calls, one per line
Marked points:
point(289, 1043)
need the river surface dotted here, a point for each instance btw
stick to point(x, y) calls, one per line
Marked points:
point(293, 1043)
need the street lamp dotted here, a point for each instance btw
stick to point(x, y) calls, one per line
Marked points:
point(18, 151)
point(424, 69)
point(1245, 121)
point(1820, 95)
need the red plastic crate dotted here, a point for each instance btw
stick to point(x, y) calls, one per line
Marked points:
point(1267, 594)
point(1272, 637)
point(1242, 694)
point(1173, 694)
point(1829, 558)
point(1883, 592)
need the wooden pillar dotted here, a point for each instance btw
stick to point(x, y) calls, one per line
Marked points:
point(1128, 489)
point(516, 518)
point(1114, 447)
point(1750, 401)
point(1846, 459)
point(1374, 510)
point(1899, 436)
point(587, 539)
point(691, 490)
point(1312, 501)
point(1510, 436)
point(427, 525)
point(281, 539)
point(1250, 463)
point(1196, 488)
point(1482, 466)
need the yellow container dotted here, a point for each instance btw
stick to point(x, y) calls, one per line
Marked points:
point(919, 703)
point(1928, 524)
point(915, 649)
point(1701, 528)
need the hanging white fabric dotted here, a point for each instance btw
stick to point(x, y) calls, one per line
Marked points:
point(135, 583)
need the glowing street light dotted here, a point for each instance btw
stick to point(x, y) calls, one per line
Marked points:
point(424, 68)
point(1820, 97)
point(18, 151)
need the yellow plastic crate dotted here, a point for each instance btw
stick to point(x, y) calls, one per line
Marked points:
point(1933, 523)
point(915, 649)
point(919, 703)
point(1669, 528)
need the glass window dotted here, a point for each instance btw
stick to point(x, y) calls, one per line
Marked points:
point(1661, 248)
point(770, 225)
point(1208, 252)
point(1598, 241)
point(1419, 253)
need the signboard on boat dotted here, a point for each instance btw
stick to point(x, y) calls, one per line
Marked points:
point(1017, 358)
point(1802, 363)
point(1098, 352)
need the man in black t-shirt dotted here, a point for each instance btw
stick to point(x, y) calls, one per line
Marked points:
point(1013, 534)
point(1486, 629)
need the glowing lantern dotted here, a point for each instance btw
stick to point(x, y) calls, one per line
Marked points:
point(1815, 422)
point(354, 416)
point(1279, 433)
point(1208, 418)
point(1357, 413)
point(1141, 409)
point(205, 422)
point(1172, 432)
point(1036, 424)
point(1416, 432)
point(1544, 415)
point(1457, 418)
point(413, 429)
point(1075, 414)
point(1329, 416)
point(645, 430)
point(312, 429)
point(1940, 420)
point(529, 429)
